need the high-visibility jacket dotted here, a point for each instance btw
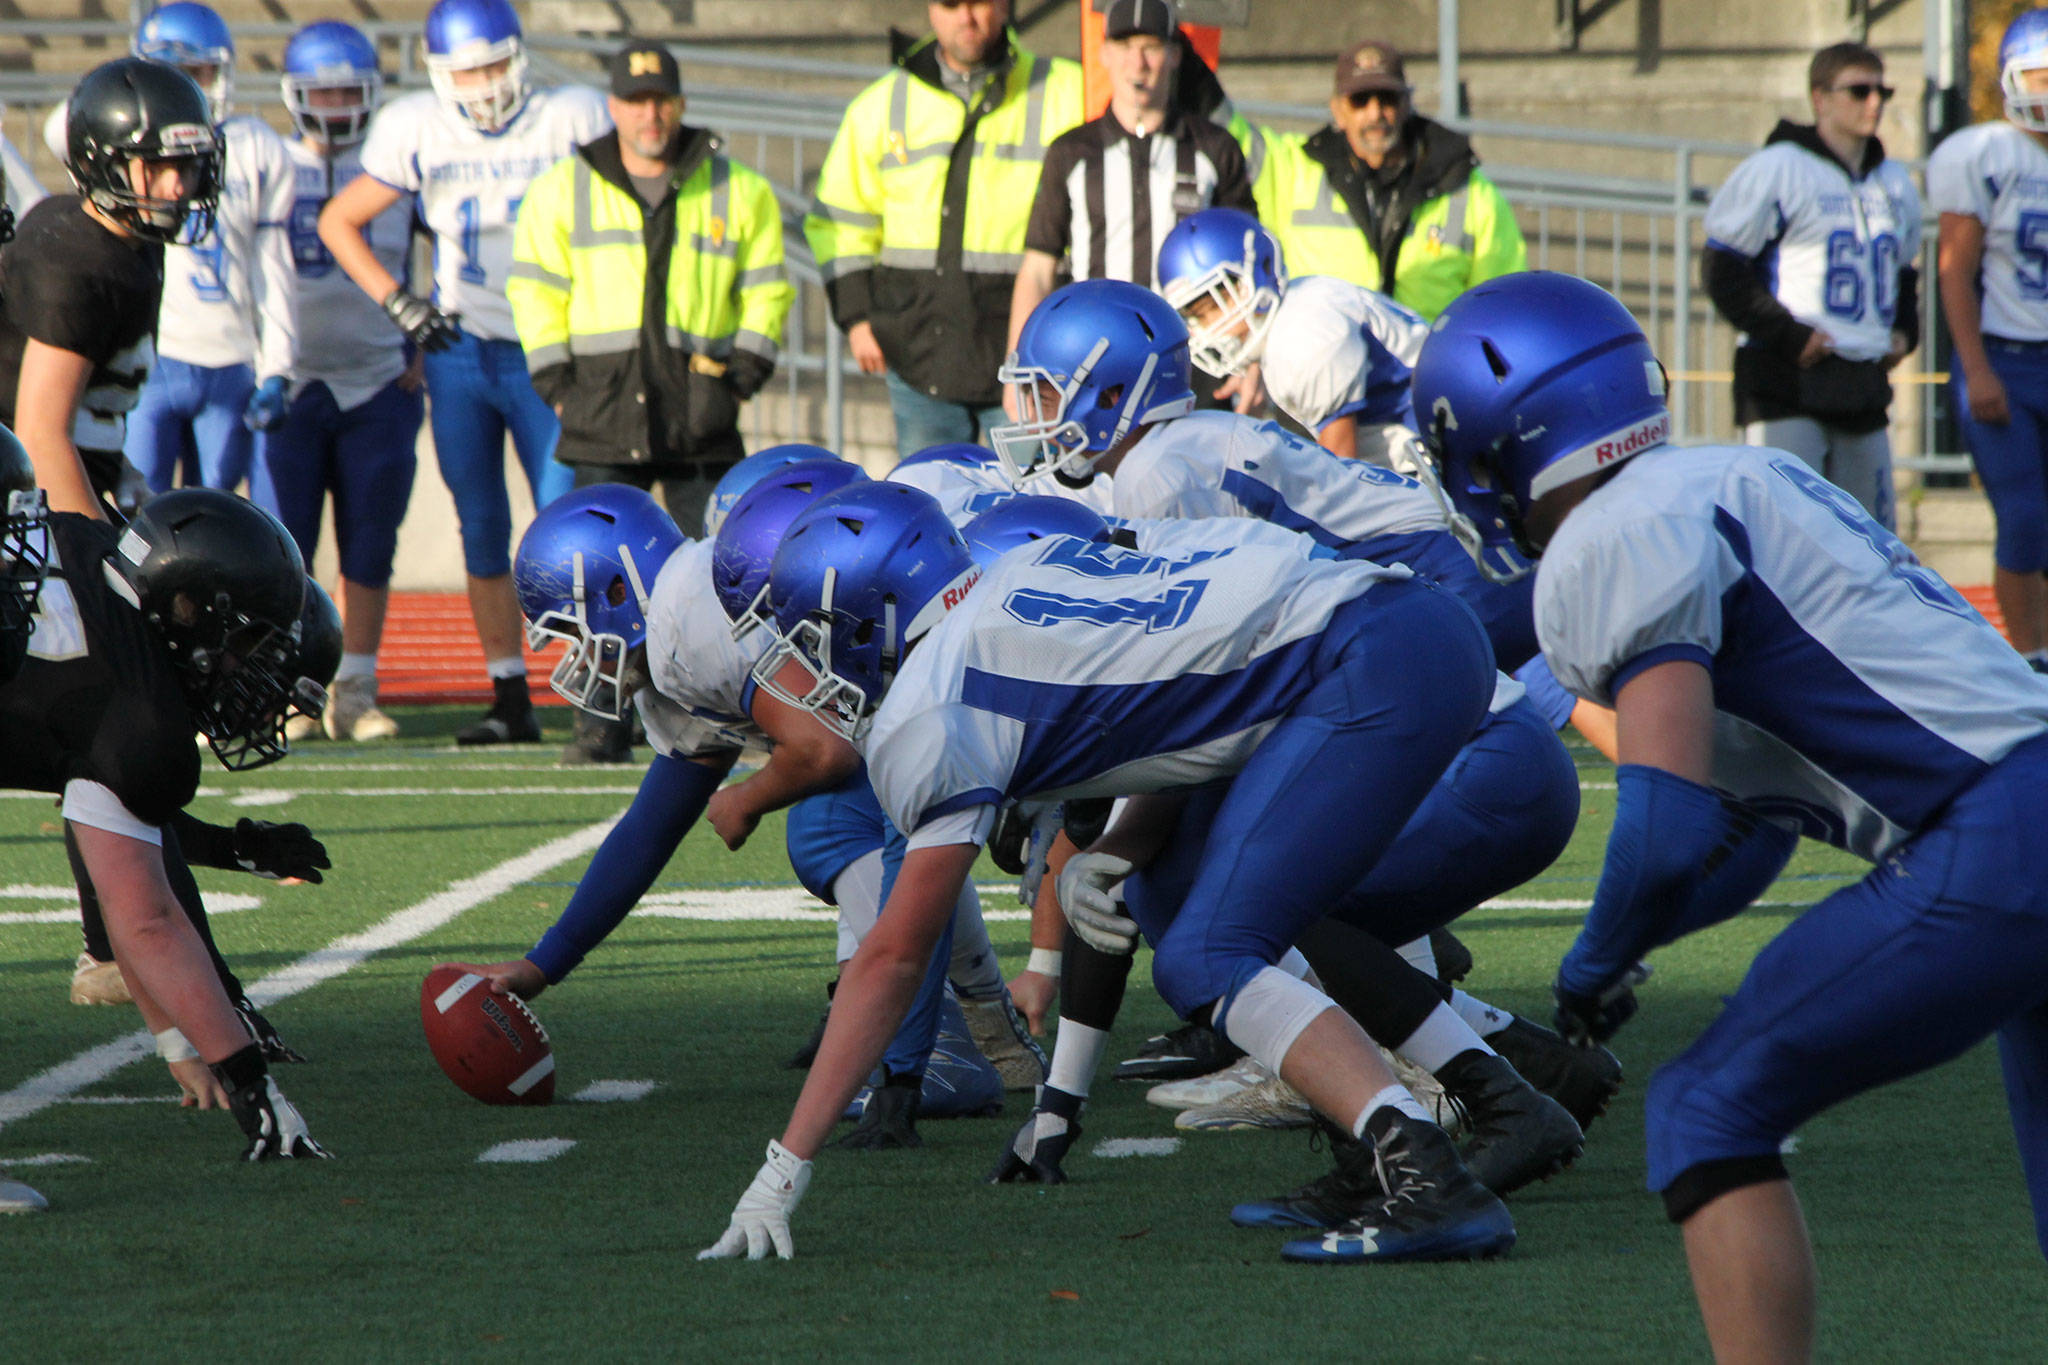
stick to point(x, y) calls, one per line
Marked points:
point(918, 222)
point(648, 364)
point(1446, 226)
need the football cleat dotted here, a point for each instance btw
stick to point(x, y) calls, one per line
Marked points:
point(1272, 1103)
point(16, 1197)
point(1036, 1150)
point(1190, 1050)
point(1582, 1079)
point(1196, 1091)
point(1519, 1135)
point(302, 729)
point(352, 712)
point(94, 982)
point(887, 1120)
point(1332, 1199)
point(506, 725)
point(1434, 1209)
point(1000, 1035)
point(958, 1080)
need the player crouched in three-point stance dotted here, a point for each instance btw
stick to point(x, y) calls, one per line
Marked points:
point(1234, 661)
point(1776, 660)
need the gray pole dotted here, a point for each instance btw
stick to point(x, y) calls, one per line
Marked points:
point(1447, 59)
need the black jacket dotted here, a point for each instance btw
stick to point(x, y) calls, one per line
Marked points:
point(1438, 162)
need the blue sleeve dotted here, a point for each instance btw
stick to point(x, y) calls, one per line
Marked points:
point(1666, 829)
point(670, 799)
point(1546, 693)
point(1748, 860)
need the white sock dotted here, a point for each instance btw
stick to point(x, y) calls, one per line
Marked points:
point(1420, 956)
point(514, 667)
point(1076, 1053)
point(1393, 1097)
point(1486, 1020)
point(1441, 1037)
point(356, 666)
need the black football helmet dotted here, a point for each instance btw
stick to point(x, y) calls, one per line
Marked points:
point(132, 108)
point(24, 552)
point(223, 585)
point(319, 653)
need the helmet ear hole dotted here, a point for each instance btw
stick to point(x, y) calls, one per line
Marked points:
point(1495, 361)
point(1110, 397)
point(615, 594)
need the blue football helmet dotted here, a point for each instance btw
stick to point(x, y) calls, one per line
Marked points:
point(1095, 361)
point(463, 35)
point(584, 571)
point(1527, 383)
point(1227, 258)
point(951, 452)
point(2024, 48)
point(750, 471)
point(331, 55)
point(188, 35)
point(1025, 518)
point(746, 542)
point(861, 576)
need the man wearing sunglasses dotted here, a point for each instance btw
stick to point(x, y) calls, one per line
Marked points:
point(1382, 196)
point(1811, 245)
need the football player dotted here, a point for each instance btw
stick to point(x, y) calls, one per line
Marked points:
point(1079, 668)
point(186, 619)
point(466, 151)
point(1777, 662)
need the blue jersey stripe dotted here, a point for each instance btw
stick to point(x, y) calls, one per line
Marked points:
point(1264, 502)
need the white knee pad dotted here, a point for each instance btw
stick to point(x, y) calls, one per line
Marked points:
point(1269, 1012)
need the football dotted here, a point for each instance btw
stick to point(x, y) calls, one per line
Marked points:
point(490, 1045)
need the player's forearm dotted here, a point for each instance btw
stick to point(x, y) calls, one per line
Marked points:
point(343, 237)
point(1959, 305)
point(1048, 923)
point(60, 473)
point(1142, 827)
point(275, 286)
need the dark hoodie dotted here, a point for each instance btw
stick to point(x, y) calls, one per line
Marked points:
point(1438, 162)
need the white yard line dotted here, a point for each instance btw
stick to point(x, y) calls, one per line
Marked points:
point(323, 964)
point(1122, 1147)
point(528, 1150)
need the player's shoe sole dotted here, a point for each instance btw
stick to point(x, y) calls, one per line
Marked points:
point(16, 1197)
point(1480, 1237)
point(1000, 1034)
point(94, 982)
point(1272, 1103)
point(1196, 1091)
point(1434, 1209)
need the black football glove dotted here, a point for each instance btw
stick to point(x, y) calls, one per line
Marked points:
point(276, 851)
point(890, 1119)
point(1588, 1020)
point(423, 323)
point(275, 1049)
point(1036, 1150)
point(275, 1129)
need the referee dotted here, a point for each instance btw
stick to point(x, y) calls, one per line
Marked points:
point(1113, 188)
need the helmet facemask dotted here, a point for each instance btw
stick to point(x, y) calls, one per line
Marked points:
point(1233, 337)
point(839, 703)
point(239, 677)
point(336, 125)
point(490, 104)
point(1480, 497)
point(592, 674)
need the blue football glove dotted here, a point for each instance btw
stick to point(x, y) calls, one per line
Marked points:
point(269, 405)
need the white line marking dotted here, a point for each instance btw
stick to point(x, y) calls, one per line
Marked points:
point(90, 1067)
point(1122, 1147)
point(528, 1150)
point(271, 796)
point(216, 902)
point(47, 1159)
point(121, 1099)
point(614, 1092)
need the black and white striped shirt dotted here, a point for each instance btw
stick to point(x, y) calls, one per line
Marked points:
point(1107, 197)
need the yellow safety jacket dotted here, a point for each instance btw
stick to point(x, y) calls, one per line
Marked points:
point(918, 222)
point(1445, 226)
point(647, 364)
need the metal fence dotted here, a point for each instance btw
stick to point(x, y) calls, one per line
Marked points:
point(1636, 230)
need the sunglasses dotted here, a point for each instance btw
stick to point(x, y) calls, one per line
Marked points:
point(1389, 99)
point(1863, 90)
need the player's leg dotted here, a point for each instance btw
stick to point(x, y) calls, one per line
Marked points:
point(922, 420)
point(288, 478)
point(222, 439)
point(534, 427)
point(1861, 462)
point(375, 462)
point(159, 437)
point(2012, 462)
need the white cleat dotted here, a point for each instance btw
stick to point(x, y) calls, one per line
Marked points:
point(1000, 1034)
point(1272, 1103)
point(16, 1197)
point(1214, 1088)
point(300, 729)
point(94, 982)
point(352, 711)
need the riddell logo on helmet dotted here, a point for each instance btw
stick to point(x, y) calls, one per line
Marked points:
point(957, 593)
point(1636, 439)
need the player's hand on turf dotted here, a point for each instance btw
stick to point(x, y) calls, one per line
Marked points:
point(424, 324)
point(268, 405)
point(201, 1090)
point(729, 816)
point(518, 977)
point(1591, 1019)
point(1987, 398)
point(1034, 994)
point(1037, 1150)
point(1088, 898)
point(275, 1128)
point(760, 1221)
point(279, 851)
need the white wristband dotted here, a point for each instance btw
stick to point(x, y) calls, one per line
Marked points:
point(172, 1047)
point(1045, 961)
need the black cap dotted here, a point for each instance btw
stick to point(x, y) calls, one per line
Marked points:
point(1127, 18)
point(645, 69)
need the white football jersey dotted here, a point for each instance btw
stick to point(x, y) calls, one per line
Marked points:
point(699, 671)
point(1217, 464)
point(1830, 246)
point(469, 185)
point(232, 298)
point(1855, 692)
point(1337, 349)
point(963, 491)
point(1075, 668)
point(1998, 174)
point(345, 341)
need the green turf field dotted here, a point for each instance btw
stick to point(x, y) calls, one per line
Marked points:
point(158, 1246)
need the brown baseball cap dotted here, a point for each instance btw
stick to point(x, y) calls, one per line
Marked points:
point(1370, 66)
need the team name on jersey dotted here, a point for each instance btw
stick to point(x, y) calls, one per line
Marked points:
point(469, 172)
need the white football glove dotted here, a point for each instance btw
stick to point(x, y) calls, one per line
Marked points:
point(1092, 904)
point(761, 1218)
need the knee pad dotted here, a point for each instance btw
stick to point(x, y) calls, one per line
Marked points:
point(1268, 1012)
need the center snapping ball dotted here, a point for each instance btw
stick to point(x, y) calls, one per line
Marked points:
point(490, 1045)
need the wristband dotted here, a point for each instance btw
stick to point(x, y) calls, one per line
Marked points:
point(1045, 961)
point(171, 1045)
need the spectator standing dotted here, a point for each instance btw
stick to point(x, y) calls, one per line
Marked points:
point(1382, 196)
point(1810, 251)
point(468, 150)
point(918, 223)
point(1111, 189)
point(648, 289)
point(1990, 185)
point(354, 423)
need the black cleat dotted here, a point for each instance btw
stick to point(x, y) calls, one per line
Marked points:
point(1582, 1079)
point(1518, 1134)
point(1190, 1050)
point(888, 1121)
point(1434, 1209)
point(1453, 958)
point(1331, 1199)
point(502, 727)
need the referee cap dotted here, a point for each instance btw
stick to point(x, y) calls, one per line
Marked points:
point(1129, 18)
